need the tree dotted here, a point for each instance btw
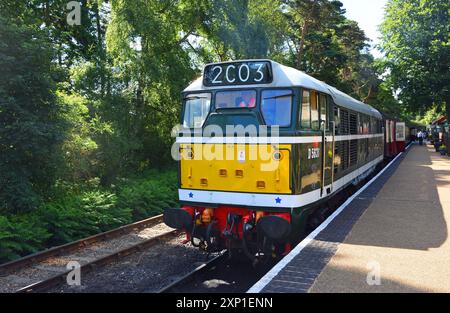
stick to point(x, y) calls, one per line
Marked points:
point(415, 38)
point(328, 46)
point(146, 41)
point(246, 29)
point(31, 127)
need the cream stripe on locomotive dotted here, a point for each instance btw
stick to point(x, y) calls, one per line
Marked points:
point(272, 200)
point(276, 140)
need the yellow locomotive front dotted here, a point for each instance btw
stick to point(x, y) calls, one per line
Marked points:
point(235, 167)
point(226, 188)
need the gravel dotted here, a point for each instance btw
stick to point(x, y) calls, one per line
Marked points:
point(148, 271)
point(55, 265)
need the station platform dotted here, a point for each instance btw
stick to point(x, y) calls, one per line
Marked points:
point(391, 236)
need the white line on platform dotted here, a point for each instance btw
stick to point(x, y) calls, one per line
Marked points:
point(266, 279)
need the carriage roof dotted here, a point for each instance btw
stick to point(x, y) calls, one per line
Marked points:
point(285, 76)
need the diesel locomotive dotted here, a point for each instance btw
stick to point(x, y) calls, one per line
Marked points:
point(262, 147)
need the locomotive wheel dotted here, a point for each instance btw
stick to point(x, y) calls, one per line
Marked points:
point(313, 222)
point(212, 238)
point(269, 250)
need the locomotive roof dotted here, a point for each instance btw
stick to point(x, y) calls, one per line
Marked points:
point(285, 76)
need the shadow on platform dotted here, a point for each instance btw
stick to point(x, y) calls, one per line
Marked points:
point(407, 212)
point(335, 280)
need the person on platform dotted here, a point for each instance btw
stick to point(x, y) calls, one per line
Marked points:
point(420, 136)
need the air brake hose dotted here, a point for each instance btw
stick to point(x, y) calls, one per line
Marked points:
point(244, 243)
point(209, 229)
point(192, 237)
point(193, 231)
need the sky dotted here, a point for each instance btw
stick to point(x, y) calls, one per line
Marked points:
point(369, 15)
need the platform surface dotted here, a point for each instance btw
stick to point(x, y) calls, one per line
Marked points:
point(393, 237)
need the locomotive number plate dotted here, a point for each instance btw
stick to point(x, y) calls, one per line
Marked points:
point(313, 153)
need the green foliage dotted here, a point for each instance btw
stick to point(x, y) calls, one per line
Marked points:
point(235, 29)
point(149, 197)
point(417, 46)
point(77, 216)
point(20, 235)
point(79, 148)
point(325, 44)
point(31, 127)
point(435, 112)
point(87, 210)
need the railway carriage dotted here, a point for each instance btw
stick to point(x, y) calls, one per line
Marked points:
point(400, 136)
point(263, 146)
point(390, 146)
point(396, 136)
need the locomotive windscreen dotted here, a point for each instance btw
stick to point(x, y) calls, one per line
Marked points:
point(238, 73)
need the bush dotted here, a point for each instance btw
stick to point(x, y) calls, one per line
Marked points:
point(75, 217)
point(86, 210)
point(21, 235)
point(149, 196)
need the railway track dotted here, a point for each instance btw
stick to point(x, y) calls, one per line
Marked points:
point(191, 276)
point(46, 269)
point(220, 274)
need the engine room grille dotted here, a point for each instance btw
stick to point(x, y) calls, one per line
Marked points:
point(337, 155)
point(344, 154)
point(344, 122)
point(353, 124)
point(353, 152)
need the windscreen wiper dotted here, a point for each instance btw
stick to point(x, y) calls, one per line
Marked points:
point(195, 98)
point(276, 97)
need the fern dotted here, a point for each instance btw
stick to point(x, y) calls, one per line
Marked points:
point(86, 210)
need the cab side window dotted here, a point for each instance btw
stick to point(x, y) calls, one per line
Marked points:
point(276, 106)
point(323, 110)
point(305, 118)
point(314, 97)
point(337, 120)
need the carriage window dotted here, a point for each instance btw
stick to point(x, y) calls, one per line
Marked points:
point(400, 131)
point(236, 99)
point(196, 109)
point(323, 109)
point(276, 107)
point(315, 110)
point(306, 110)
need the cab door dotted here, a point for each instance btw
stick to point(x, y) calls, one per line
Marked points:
point(328, 145)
